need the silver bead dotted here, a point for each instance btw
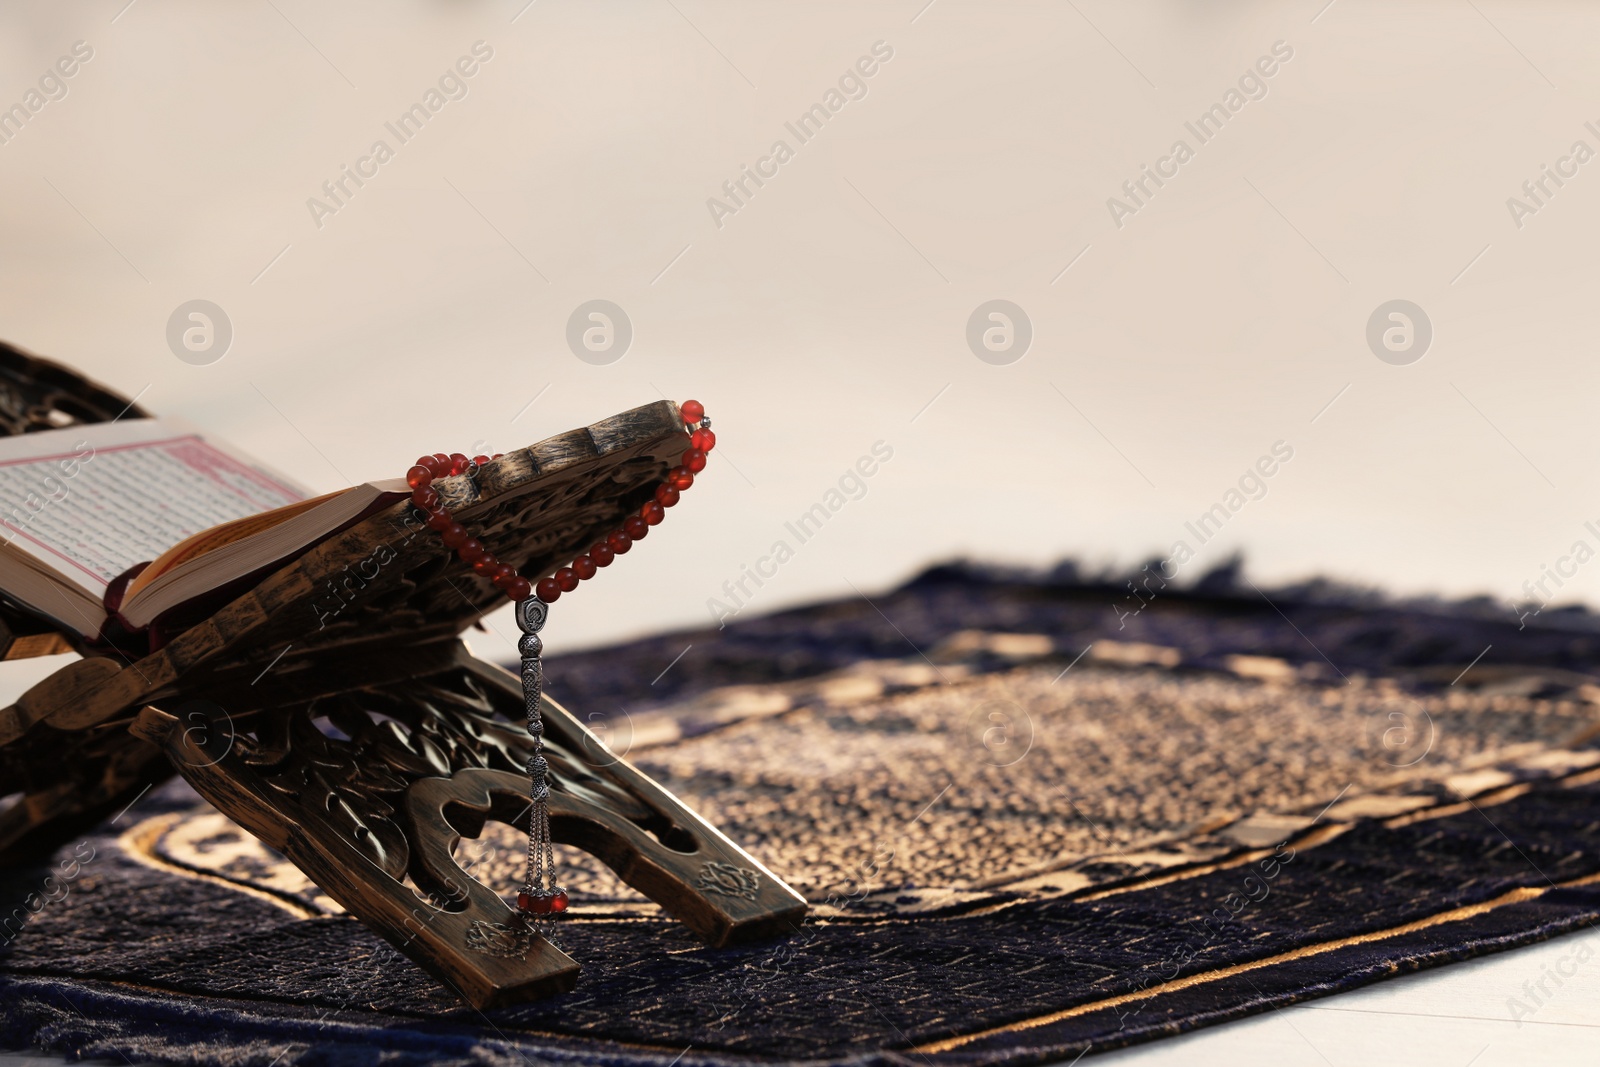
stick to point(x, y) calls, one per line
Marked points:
point(531, 614)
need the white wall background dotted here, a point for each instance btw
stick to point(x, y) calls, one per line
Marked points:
point(829, 311)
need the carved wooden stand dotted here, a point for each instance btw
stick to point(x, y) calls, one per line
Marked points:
point(333, 712)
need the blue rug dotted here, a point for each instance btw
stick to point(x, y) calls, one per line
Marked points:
point(1033, 823)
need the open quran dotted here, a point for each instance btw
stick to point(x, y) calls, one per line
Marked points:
point(89, 505)
point(297, 659)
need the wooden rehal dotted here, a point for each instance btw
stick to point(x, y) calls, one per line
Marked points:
point(334, 712)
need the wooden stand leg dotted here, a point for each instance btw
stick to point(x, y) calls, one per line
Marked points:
point(404, 769)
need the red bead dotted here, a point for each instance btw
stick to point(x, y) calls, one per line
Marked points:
point(519, 589)
point(680, 478)
point(480, 460)
point(693, 410)
point(419, 476)
point(442, 461)
point(635, 527)
point(619, 541)
point(425, 497)
point(567, 579)
point(501, 575)
point(666, 496)
point(695, 460)
point(485, 565)
point(439, 520)
point(432, 465)
point(601, 554)
point(585, 567)
point(455, 535)
point(703, 439)
point(542, 903)
point(458, 463)
point(652, 513)
point(548, 590)
point(471, 550)
point(497, 455)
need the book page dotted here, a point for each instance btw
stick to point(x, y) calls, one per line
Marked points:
point(91, 501)
point(192, 548)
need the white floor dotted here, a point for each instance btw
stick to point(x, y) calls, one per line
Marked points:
point(1451, 1017)
point(1385, 160)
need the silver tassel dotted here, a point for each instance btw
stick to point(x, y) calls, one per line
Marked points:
point(541, 899)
